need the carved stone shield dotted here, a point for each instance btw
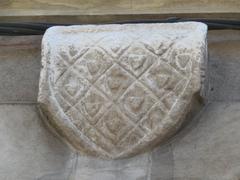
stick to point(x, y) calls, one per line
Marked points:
point(116, 90)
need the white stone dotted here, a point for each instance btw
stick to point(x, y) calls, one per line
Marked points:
point(117, 90)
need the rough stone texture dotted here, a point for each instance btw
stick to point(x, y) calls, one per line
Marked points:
point(116, 90)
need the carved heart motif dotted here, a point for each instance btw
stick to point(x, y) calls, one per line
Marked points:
point(135, 103)
point(92, 108)
point(71, 88)
point(114, 83)
point(114, 125)
point(183, 60)
point(72, 85)
point(93, 67)
point(161, 80)
point(137, 61)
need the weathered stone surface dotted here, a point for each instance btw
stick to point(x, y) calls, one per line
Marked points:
point(116, 90)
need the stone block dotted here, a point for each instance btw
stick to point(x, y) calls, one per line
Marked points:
point(117, 90)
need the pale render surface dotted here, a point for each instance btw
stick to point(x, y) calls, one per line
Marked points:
point(116, 90)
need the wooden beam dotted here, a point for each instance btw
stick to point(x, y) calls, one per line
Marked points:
point(106, 7)
point(105, 11)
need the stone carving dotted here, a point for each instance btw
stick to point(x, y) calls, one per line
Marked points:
point(116, 90)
